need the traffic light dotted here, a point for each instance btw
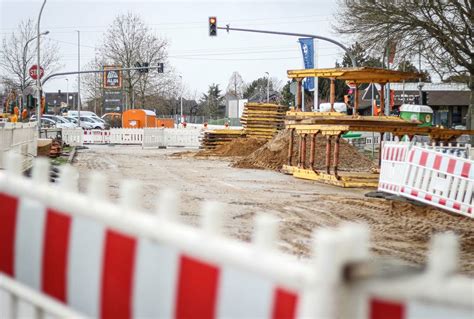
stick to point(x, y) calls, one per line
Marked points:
point(142, 65)
point(160, 67)
point(30, 101)
point(212, 26)
point(424, 98)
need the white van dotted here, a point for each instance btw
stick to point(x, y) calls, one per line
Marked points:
point(86, 114)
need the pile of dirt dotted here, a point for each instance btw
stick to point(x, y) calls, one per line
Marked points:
point(236, 147)
point(274, 154)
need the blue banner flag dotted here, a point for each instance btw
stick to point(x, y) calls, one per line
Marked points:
point(307, 48)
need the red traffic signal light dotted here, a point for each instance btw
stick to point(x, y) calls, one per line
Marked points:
point(212, 26)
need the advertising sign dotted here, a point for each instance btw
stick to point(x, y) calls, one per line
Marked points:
point(112, 78)
point(113, 101)
point(307, 48)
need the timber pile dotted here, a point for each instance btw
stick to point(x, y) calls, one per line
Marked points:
point(262, 120)
point(214, 138)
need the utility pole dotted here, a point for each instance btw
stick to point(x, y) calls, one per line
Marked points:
point(268, 86)
point(67, 92)
point(420, 84)
point(78, 78)
point(38, 72)
point(181, 99)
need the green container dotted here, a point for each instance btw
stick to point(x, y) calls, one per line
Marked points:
point(417, 113)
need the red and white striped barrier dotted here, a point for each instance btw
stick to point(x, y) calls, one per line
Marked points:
point(115, 261)
point(441, 180)
point(393, 166)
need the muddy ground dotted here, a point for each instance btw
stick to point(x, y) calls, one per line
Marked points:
point(399, 229)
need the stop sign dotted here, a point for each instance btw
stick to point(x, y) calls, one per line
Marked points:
point(34, 72)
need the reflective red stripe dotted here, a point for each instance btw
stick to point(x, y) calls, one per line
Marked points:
point(465, 169)
point(423, 158)
point(457, 206)
point(451, 165)
point(197, 289)
point(284, 304)
point(117, 276)
point(442, 201)
point(412, 153)
point(8, 216)
point(383, 309)
point(428, 197)
point(55, 253)
point(437, 162)
point(414, 193)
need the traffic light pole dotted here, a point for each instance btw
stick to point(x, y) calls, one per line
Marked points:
point(353, 61)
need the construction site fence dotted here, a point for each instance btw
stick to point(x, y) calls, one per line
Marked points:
point(21, 138)
point(103, 258)
point(429, 174)
point(147, 137)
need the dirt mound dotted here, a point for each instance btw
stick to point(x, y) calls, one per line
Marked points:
point(274, 154)
point(236, 147)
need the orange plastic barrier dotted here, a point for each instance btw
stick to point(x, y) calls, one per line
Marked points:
point(168, 123)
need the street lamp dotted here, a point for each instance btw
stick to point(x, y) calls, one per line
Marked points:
point(38, 80)
point(268, 86)
point(24, 65)
point(181, 98)
point(67, 92)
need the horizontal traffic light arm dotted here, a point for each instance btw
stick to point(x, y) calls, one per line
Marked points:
point(98, 71)
point(353, 61)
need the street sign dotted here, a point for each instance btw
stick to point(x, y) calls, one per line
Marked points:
point(34, 72)
point(112, 78)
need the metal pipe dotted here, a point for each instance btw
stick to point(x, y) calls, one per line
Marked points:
point(78, 78)
point(382, 98)
point(356, 100)
point(300, 148)
point(380, 147)
point(290, 146)
point(38, 72)
point(349, 53)
point(328, 154)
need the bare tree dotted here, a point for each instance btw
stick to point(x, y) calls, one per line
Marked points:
point(128, 41)
point(236, 85)
point(16, 57)
point(441, 30)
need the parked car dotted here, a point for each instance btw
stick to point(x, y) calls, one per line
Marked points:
point(98, 125)
point(85, 113)
point(58, 120)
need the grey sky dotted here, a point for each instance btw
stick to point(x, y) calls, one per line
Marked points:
point(200, 59)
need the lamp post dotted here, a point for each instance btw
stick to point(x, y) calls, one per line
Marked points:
point(38, 72)
point(78, 78)
point(181, 98)
point(268, 86)
point(24, 66)
point(67, 92)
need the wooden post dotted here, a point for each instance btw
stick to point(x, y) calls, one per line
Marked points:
point(336, 153)
point(299, 101)
point(299, 150)
point(312, 150)
point(332, 93)
point(380, 148)
point(382, 99)
point(303, 151)
point(328, 154)
point(290, 146)
point(356, 99)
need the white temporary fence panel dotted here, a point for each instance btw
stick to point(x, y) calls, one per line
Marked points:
point(21, 138)
point(20, 301)
point(169, 137)
point(73, 136)
point(439, 179)
point(95, 137)
point(114, 260)
point(392, 166)
point(458, 150)
point(125, 136)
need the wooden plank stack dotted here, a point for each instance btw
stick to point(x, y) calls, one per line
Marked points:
point(214, 138)
point(263, 120)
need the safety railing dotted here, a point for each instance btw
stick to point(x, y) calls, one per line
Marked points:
point(429, 175)
point(105, 259)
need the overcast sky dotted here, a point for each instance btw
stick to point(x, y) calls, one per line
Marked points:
point(200, 59)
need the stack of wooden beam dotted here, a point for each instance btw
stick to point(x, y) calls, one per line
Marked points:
point(263, 120)
point(214, 138)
